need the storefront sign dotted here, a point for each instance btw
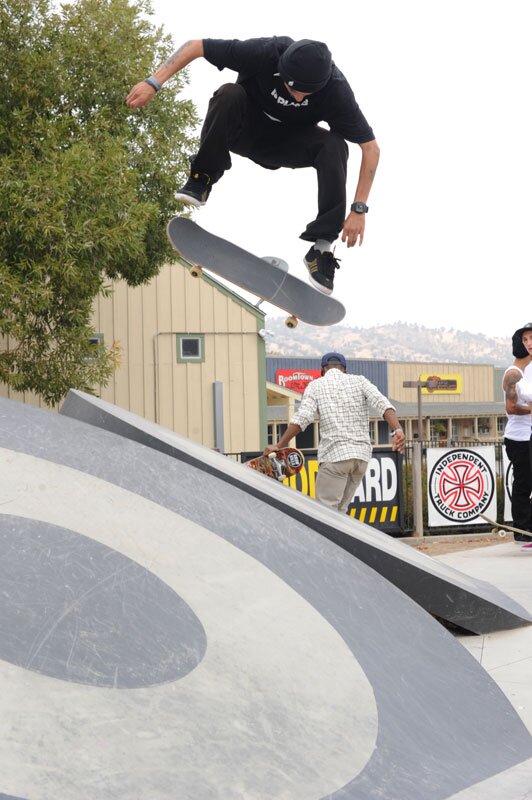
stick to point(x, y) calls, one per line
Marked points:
point(296, 379)
point(461, 485)
point(441, 384)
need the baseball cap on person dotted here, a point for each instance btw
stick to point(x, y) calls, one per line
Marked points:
point(306, 65)
point(518, 348)
point(332, 359)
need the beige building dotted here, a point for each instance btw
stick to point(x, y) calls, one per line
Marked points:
point(192, 358)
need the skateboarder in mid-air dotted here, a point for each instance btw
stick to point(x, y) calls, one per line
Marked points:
point(270, 115)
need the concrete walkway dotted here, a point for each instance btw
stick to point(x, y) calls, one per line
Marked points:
point(505, 655)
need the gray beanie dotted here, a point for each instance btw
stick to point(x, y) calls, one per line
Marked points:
point(306, 65)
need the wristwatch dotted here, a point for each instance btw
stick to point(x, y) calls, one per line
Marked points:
point(397, 430)
point(359, 207)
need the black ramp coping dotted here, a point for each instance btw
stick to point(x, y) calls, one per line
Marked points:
point(448, 594)
point(285, 667)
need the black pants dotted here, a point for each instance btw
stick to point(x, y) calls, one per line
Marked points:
point(233, 125)
point(519, 455)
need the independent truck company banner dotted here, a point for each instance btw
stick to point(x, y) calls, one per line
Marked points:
point(461, 485)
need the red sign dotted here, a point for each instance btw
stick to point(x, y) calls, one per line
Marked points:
point(296, 379)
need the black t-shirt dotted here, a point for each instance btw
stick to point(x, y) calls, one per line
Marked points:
point(257, 63)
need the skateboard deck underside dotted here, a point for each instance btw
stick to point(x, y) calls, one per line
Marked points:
point(249, 272)
point(283, 464)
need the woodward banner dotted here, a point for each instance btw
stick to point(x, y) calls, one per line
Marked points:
point(378, 501)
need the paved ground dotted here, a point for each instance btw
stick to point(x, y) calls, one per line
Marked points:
point(506, 655)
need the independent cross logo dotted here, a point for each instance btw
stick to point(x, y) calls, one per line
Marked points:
point(294, 460)
point(461, 485)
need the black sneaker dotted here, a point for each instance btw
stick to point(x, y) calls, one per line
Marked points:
point(196, 190)
point(321, 268)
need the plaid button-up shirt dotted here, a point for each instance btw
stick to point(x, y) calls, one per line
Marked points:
point(343, 403)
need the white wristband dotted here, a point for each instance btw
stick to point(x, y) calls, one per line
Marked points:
point(153, 82)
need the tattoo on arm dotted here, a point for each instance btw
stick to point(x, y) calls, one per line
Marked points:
point(174, 57)
point(511, 391)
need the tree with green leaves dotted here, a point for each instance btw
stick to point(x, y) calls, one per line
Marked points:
point(87, 185)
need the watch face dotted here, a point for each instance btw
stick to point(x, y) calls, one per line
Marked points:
point(360, 208)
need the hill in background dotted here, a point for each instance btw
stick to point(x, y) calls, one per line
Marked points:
point(399, 341)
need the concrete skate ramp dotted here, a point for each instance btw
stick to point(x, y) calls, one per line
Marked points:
point(447, 594)
point(167, 635)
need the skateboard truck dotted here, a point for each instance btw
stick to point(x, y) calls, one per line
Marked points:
point(278, 468)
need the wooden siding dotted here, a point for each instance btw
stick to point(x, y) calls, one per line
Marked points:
point(145, 321)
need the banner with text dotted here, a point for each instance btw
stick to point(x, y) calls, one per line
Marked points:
point(378, 501)
point(461, 485)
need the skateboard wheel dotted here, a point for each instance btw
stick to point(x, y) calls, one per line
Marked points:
point(290, 322)
point(196, 272)
point(502, 534)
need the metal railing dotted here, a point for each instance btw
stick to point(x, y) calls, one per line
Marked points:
point(407, 500)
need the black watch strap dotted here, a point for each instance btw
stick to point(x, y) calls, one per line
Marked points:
point(359, 207)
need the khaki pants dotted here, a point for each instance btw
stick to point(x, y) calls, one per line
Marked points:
point(337, 481)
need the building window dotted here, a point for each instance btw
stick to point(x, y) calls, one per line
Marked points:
point(275, 431)
point(483, 426)
point(95, 341)
point(501, 425)
point(190, 348)
point(438, 429)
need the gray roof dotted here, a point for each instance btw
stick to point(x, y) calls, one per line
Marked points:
point(446, 410)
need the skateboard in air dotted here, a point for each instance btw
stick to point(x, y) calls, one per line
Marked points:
point(279, 465)
point(500, 528)
point(267, 278)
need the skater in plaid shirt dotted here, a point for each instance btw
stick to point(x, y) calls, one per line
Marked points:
point(342, 402)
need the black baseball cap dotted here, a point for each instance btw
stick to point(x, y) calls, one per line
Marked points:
point(518, 348)
point(306, 65)
point(333, 359)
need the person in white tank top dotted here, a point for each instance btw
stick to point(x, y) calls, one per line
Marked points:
point(517, 385)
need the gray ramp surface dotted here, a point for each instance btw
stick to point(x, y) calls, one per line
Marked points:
point(167, 635)
point(446, 593)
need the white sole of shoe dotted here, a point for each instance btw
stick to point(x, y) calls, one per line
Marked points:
point(188, 200)
point(318, 286)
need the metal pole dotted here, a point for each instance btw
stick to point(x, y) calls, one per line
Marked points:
point(419, 414)
point(417, 465)
point(417, 488)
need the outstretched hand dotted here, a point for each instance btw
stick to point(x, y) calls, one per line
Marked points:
point(140, 95)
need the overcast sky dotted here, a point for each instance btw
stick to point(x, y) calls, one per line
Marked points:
point(446, 88)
